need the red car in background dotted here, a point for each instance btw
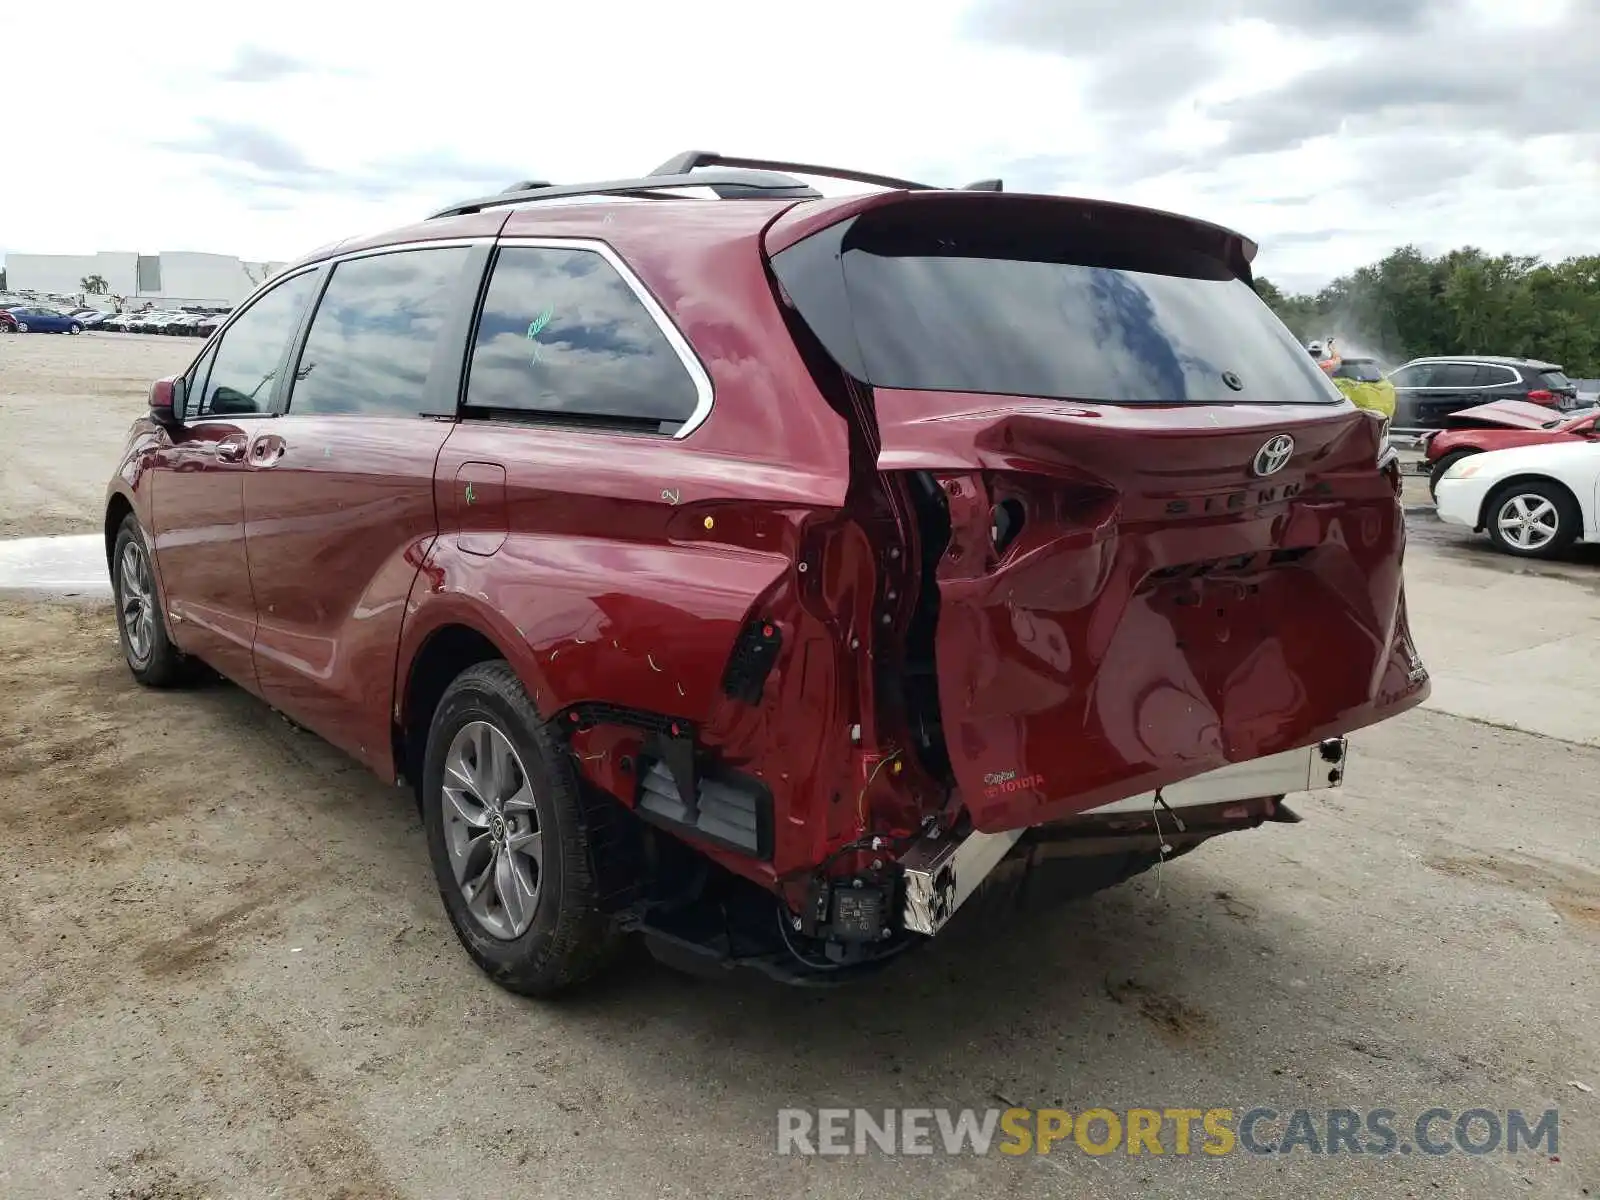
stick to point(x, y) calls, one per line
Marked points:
point(1501, 426)
point(8, 323)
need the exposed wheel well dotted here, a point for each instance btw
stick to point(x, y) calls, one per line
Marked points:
point(117, 511)
point(447, 653)
point(1488, 500)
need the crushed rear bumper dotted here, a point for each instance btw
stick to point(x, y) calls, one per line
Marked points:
point(941, 874)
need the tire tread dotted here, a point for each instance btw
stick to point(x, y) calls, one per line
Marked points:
point(585, 939)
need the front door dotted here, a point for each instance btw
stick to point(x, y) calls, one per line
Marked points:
point(197, 505)
point(338, 498)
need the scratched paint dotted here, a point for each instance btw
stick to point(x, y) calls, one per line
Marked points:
point(57, 566)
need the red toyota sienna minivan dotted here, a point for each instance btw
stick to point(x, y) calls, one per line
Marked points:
point(768, 574)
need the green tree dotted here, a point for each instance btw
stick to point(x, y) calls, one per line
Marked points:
point(1464, 302)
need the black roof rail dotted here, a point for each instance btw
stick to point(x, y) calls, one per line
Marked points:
point(682, 164)
point(728, 185)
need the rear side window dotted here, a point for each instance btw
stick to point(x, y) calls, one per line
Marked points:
point(1027, 300)
point(375, 333)
point(251, 353)
point(1489, 375)
point(1454, 375)
point(563, 334)
point(1556, 381)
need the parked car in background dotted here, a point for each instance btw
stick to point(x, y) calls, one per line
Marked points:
point(171, 322)
point(1533, 501)
point(150, 321)
point(753, 574)
point(32, 319)
point(1501, 426)
point(8, 323)
point(1363, 381)
point(1430, 390)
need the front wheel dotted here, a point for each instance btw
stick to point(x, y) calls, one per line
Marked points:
point(502, 810)
point(1533, 519)
point(22, 327)
point(74, 328)
point(141, 622)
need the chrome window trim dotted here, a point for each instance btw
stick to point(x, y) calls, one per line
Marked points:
point(1515, 377)
point(398, 247)
point(316, 264)
point(704, 392)
point(247, 303)
point(221, 330)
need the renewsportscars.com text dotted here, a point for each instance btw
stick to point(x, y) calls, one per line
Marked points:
point(1177, 1131)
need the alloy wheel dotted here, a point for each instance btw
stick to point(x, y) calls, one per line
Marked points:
point(1528, 521)
point(137, 603)
point(491, 830)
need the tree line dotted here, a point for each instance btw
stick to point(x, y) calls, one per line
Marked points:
point(1464, 302)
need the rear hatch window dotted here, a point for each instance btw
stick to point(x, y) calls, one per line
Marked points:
point(1556, 381)
point(1045, 302)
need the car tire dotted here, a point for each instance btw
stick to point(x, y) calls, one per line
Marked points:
point(74, 328)
point(1532, 519)
point(509, 841)
point(22, 327)
point(1436, 472)
point(141, 614)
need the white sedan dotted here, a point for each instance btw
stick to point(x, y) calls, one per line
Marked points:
point(1534, 501)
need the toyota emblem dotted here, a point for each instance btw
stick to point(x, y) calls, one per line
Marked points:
point(1275, 455)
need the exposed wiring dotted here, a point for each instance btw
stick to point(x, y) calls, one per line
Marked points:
point(861, 800)
point(819, 872)
point(783, 929)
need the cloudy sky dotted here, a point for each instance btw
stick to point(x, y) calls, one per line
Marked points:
point(1329, 130)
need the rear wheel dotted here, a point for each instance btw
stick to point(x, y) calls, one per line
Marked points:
point(507, 838)
point(74, 328)
point(1532, 519)
point(141, 620)
point(22, 327)
point(1436, 472)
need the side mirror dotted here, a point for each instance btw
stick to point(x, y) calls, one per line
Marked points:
point(167, 401)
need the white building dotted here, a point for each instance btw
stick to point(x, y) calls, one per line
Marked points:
point(173, 277)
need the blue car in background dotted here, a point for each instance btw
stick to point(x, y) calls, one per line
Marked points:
point(44, 320)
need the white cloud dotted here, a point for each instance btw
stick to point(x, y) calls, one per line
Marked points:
point(214, 131)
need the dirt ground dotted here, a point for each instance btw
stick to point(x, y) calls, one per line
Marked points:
point(65, 406)
point(226, 971)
